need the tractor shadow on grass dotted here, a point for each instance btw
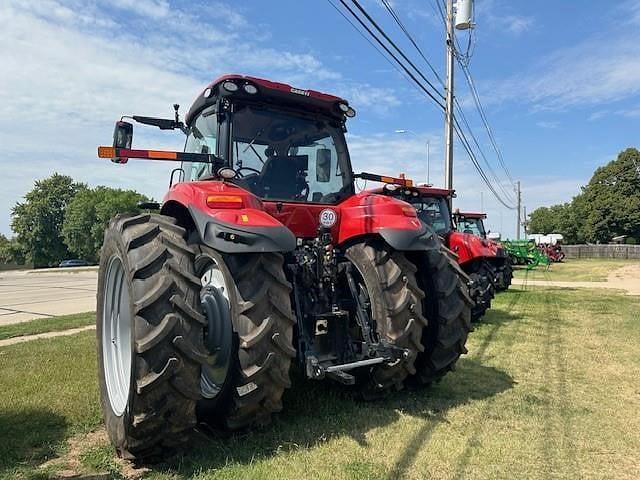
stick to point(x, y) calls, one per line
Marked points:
point(28, 436)
point(316, 412)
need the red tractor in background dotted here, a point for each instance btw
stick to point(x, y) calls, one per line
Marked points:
point(473, 223)
point(477, 257)
point(262, 256)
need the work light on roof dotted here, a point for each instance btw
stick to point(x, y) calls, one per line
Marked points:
point(250, 89)
point(350, 112)
point(230, 86)
point(344, 107)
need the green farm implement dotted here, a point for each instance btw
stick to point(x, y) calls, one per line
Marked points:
point(523, 252)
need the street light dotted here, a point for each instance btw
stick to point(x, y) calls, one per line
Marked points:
point(415, 134)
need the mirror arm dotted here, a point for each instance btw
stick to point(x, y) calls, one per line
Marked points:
point(121, 155)
point(404, 182)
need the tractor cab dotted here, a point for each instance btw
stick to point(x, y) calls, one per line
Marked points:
point(284, 144)
point(470, 222)
point(431, 205)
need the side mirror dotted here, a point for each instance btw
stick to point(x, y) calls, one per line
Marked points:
point(323, 165)
point(122, 138)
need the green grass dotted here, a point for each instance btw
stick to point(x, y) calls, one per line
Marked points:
point(53, 324)
point(577, 270)
point(549, 389)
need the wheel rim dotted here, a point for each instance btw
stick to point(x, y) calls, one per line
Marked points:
point(216, 305)
point(116, 336)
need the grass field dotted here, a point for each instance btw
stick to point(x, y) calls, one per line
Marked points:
point(549, 389)
point(576, 270)
point(41, 325)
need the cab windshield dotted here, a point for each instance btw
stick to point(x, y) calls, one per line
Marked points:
point(282, 156)
point(472, 225)
point(433, 211)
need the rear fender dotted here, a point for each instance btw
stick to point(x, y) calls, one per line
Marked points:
point(367, 214)
point(469, 247)
point(248, 229)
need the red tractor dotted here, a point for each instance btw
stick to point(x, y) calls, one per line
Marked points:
point(477, 256)
point(262, 255)
point(473, 223)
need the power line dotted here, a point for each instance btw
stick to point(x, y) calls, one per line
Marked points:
point(415, 81)
point(485, 121)
point(484, 157)
point(476, 98)
point(363, 35)
point(396, 48)
point(476, 164)
point(411, 39)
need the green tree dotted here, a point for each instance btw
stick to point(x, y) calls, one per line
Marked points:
point(11, 251)
point(607, 207)
point(541, 220)
point(613, 199)
point(38, 220)
point(88, 214)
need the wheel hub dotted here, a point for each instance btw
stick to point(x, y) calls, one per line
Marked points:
point(116, 336)
point(216, 306)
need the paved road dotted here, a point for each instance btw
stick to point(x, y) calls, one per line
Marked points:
point(27, 295)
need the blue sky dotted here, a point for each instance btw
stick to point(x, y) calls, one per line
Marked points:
point(560, 81)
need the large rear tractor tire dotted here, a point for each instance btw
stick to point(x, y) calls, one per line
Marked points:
point(149, 335)
point(396, 309)
point(260, 312)
point(482, 289)
point(447, 306)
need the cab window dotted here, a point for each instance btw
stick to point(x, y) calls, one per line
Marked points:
point(202, 138)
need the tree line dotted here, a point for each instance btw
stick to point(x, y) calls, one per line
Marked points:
point(61, 219)
point(607, 207)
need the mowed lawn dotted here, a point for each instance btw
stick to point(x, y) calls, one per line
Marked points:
point(577, 270)
point(550, 389)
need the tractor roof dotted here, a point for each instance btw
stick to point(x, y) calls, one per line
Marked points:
point(277, 94)
point(481, 216)
point(423, 190)
point(428, 191)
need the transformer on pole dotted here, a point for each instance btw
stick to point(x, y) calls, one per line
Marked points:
point(464, 14)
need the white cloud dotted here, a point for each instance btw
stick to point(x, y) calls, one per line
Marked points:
point(149, 8)
point(598, 70)
point(517, 24)
point(71, 68)
point(499, 17)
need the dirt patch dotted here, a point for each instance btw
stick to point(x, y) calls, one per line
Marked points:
point(71, 467)
point(625, 278)
point(628, 277)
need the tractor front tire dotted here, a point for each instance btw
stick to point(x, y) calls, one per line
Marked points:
point(149, 335)
point(447, 306)
point(263, 324)
point(396, 309)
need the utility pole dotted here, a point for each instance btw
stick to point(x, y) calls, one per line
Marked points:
point(448, 117)
point(524, 222)
point(519, 197)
